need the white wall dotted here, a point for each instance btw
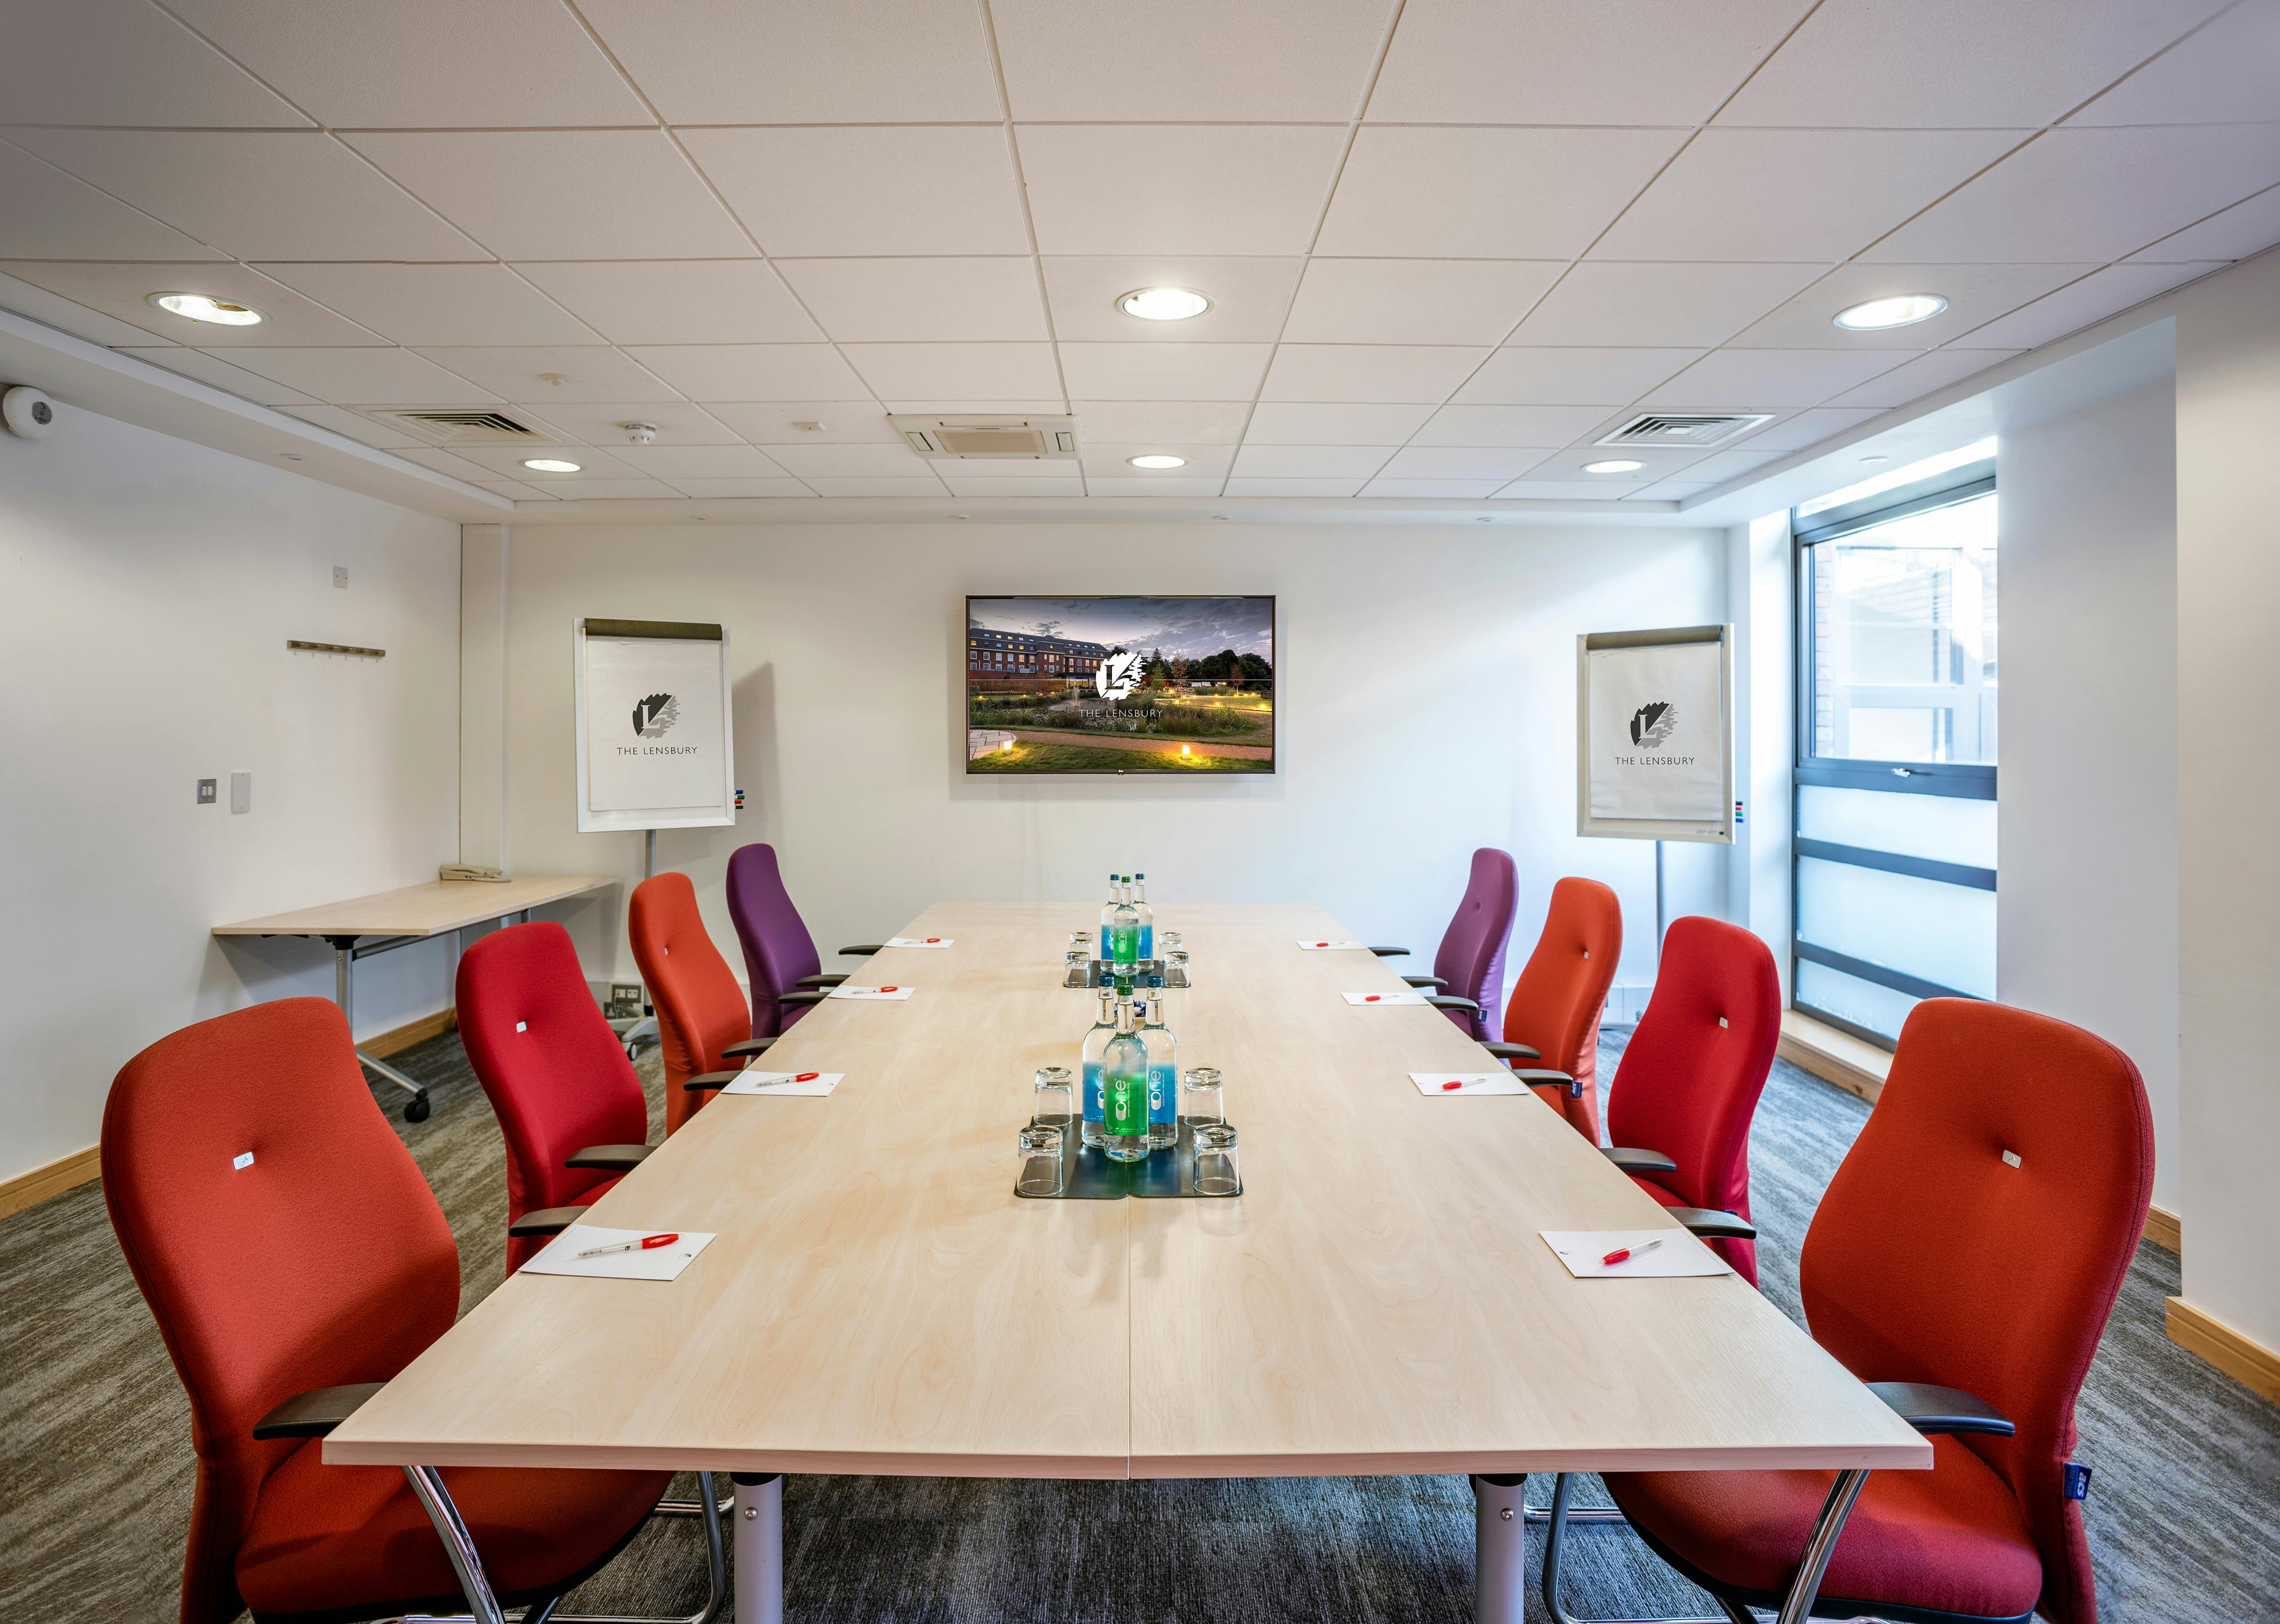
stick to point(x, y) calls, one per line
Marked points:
point(1761, 572)
point(2086, 904)
point(1426, 701)
point(151, 587)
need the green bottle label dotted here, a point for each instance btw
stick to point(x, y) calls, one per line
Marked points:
point(1124, 1104)
point(1124, 944)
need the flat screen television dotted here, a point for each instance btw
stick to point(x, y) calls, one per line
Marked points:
point(1120, 684)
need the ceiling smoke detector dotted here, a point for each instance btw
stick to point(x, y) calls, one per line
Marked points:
point(640, 434)
point(984, 439)
point(461, 425)
point(1684, 428)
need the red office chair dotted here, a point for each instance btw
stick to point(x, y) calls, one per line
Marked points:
point(567, 1098)
point(1556, 1005)
point(1964, 1262)
point(295, 1261)
point(703, 1025)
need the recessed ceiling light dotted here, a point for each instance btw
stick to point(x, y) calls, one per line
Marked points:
point(198, 307)
point(1898, 311)
point(1614, 465)
point(1156, 460)
point(548, 465)
point(1873, 461)
point(1163, 303)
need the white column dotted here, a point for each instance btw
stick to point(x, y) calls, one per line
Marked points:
point(483, 560)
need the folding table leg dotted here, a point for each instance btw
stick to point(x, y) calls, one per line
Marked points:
point(1499, 1550)
point(757, 1547)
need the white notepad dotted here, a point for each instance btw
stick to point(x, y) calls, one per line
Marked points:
point(806, 1085)
point(919, 941)
point(1435, 1085)
point(1376, 998)
point(1333, 947)
point(1580, 1250)
point(661, 1263)
point(890, 991)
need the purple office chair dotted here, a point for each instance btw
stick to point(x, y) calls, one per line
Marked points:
point(780, 957)
point(1469, 971)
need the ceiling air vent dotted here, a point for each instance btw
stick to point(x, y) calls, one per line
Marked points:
point(981, 439)
point(463, 425)
point(1684, 428)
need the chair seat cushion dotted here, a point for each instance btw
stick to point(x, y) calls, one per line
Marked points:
point(1952, 1539)
point(333, 1539)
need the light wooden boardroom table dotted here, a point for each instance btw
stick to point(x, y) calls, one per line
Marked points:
point(399, 918)
point(878, 1301)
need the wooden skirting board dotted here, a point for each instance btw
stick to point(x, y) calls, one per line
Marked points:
point(2163, 1229)
point(1852, 1063)
point(27, 1189)
point(2247, 1362)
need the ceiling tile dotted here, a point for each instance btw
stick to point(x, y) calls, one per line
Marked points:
point(1109, 458)
point(1250, 297)
point(589, 375)
point(611, 490)
point(744, 487)
point(1416, 301)
point(1928, 63)
point(445, 462)
point(1505, 194)
point(1310, 461)
point(1289, 422)
point(1495, 463)
point(1974, 294)
point(905, 189)
point(1579, 376)
point(421, 63)
point(124, 291)
point(1719, 466)
point(753, 372)
point(78, 320)
point(1138, 485)
point(1672, 490)
point(943, 407)
point(2091, 300)
point(983, 372)
point(1767, 380)
point(963, 485)
point(1415, 373)
point(1508, 425)
point(507, 459)
point(676, 421)
point(1574, 61)
point(1177, 189)
point(1913, 379)
point(924, 300)
point(1805, 429)
point(364, 377)
point(438, 303)
point(1292, 488)
point(1163, 372)
point(47, 214)
point(677, 463)
point(562, 193)
point(1838, 191)
point(2094, 194)
point(2246, 228)
point(1011, 471)
point(850, 62)
point(355, 425)
point(211, 369)
point(2228, 72)
point(1653, 301)
point(676, 301)
point(853, 461)
point(845, 422)
point(1189, 423)
point(1656, 463)
point(1293, 61)
point(514, 488)
point(1472, 488)
point(924, 485)
point(1566, 490)
point(123, 62)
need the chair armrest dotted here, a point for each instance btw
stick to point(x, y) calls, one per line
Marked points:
point(546, 1220)
point(818, 981)
point(1450, 1001)
point(1391, 952)
point(1706, 1225)
point(1544, 1077)
point(813, 995)
point(1934, 1409)
point(1638, 1161)
point(745, 1047)
point(1515, 1051)
point(315, 1413)
point(1424, 981)
point(862, 949)
point(609, 1158)
point(704, 1082)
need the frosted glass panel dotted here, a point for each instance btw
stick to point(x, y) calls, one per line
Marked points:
point(1946, 828)
point(1924, 927)
point(1848, 997)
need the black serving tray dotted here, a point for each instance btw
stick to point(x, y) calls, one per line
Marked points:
point(1091, 1176)
point(1143, 973)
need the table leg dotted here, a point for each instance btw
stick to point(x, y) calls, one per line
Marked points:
point(1499, 1550)
point(757, 1547)
point(344, 995)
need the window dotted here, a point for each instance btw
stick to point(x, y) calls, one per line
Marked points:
point(1895, 832)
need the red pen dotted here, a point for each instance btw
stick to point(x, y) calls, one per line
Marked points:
point(1458, 1083)
point(807, 1076)
point(888, 990)
point(1322, 944)
point(1623, 1253)
point(648, 1243)
point(932, 940)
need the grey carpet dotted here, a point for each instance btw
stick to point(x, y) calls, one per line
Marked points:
point(2184, 1518)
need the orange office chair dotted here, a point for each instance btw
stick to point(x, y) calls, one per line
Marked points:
point(1553, 1018)
point(704, 1024)
point(295, 1261)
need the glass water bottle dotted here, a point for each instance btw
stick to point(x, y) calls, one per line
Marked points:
point(1124, 933)
point(1124, 1089)
point(1146, 916)
point(1163, 1072)
point(1108, 922)
point(1096, 1044)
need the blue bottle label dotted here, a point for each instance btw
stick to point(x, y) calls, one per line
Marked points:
point(1092, 1108)
point(1163, 1094)
point(1147, 941)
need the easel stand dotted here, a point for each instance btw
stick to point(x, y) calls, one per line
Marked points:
point(630, 1032)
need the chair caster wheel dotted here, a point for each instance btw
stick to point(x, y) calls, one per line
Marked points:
point(417, 1111)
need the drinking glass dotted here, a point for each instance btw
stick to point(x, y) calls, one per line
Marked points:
point(1168, 939)
point(1056, 1104)
point(1039, 1148)
point(1218, 1170)
point(1202, 1101)
point(1175, 968)
point(1072, 967)
point(1081, 942)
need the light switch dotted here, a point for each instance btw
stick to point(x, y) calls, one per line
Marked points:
point(208, 791)
point(340, 574)
point(241, 792)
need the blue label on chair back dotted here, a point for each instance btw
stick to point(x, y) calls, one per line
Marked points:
point(2077, 1480)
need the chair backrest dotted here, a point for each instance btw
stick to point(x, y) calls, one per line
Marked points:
point(1976, 1236)
point(281, 1235)
point(1562, 989)
point(556, 1074)
point(778, 950)
point(1471, 958)
point(1689, 1078)
point(699, 1006)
